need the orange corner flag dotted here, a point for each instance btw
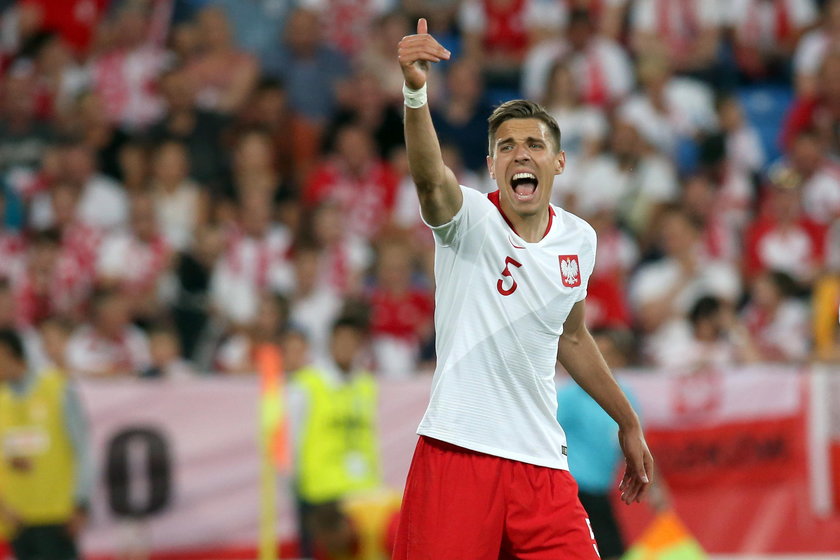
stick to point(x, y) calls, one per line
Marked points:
point(666, 539)
point(272, 413)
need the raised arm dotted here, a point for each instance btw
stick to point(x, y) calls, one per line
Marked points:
point(578, 353)
point(437, 188)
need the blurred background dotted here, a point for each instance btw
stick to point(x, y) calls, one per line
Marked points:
point(201, 199)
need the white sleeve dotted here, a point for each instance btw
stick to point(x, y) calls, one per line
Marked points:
point(587, 259)
point(448, 234)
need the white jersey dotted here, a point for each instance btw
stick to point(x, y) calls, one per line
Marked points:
point(500, 307)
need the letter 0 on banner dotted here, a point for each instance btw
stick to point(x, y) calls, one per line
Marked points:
point(134, 454)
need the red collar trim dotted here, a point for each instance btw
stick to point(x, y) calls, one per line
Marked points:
point(494, 198)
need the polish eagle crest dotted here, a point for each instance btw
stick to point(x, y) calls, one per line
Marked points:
point(569, 270)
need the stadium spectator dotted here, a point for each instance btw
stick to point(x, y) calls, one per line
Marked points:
point(134, 167)
point(498, 33)
point(255, 260)
point(345, 256)
point(819, 175)
point(136, 261)
point(782, 237)
point(79, 241)
point(813, 47)
point(109, 345)
point(819, 110)
point(607, 305)
point(237, 352)
point(223, 75)
point(362, 184)
point(778, 322)
point(75, 21)
point(314, 304)
point(765, 34)
point(45, 487)
point(296, 141)
point(369, 107)
point(181, 205)
point(584, 127)
point(462, 119)
point(125, 73)
point(86, 119)
point(668, 288)
point(198, 129)
point(377, 54)
point(50, 346)
point(256, 24)
point(254, 173)
point(711, 337)
point(311, 70)
point(165, 356)
point(191, 307)
point(8, 311)
point(630, 177)
point(688, 31)
point(23, 136)
point(51, 283)
point(59, 77)
point(744, 150)
point(12, 245)
point(346, 23)
point(601, 67)
point(401, 312)
point(102, 202)
point(707, 204)
point(669, 111)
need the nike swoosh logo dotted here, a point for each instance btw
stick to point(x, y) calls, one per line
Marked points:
point(515, 246)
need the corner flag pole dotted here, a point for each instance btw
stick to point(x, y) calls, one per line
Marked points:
point(274, 454)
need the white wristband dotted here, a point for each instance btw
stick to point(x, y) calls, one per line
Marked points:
point(414, 98)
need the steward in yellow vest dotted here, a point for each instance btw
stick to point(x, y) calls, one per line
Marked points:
point(45, 477)
point(333, 416)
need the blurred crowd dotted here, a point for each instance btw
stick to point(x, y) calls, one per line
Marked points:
point(183, 180)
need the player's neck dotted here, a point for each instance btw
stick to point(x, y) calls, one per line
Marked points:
point(530, 227)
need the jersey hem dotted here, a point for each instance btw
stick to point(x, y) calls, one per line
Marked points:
point(496, 452)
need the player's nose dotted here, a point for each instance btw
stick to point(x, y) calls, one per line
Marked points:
point(521, 154)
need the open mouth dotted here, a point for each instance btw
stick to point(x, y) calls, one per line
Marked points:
point(524, 186)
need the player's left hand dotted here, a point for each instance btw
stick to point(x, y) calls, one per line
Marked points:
point(638, 473)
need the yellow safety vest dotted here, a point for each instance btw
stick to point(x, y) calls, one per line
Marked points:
point(32, 429)
point(338, 452)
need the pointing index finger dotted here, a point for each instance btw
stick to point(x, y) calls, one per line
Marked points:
point(422, 26)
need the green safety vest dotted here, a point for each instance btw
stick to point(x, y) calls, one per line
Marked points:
point(338, 452)
point(32, 429)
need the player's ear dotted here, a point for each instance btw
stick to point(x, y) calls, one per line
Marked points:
point(490, 167)
point(559, 162)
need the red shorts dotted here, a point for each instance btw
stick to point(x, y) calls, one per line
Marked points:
point(464, 505)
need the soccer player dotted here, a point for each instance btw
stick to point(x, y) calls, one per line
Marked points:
point(489, 478)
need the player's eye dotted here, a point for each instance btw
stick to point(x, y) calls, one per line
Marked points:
point(536, 146)
point(506, 148)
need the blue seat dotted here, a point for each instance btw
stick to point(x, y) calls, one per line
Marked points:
point(766, 107)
